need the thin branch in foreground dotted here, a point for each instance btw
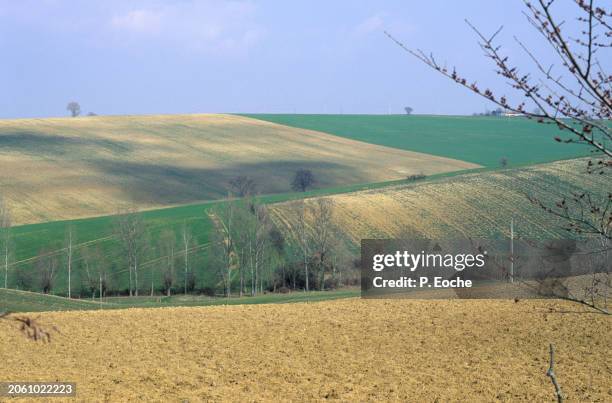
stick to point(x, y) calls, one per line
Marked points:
point(581, 111)
point(30, 328)
point(551, 374)
point(33, 331)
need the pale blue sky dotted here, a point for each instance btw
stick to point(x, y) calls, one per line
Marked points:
point(143, 57)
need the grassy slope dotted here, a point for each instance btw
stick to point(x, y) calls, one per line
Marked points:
point(475, 205)
point(481, 140)
point(66, 168)
point(29, 239)
point(189, 300)
point(441, 195)
point(23, 301)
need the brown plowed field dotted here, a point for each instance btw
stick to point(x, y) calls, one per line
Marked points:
point(351, 350)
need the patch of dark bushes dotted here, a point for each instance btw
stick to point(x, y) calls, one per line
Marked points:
point(416, 177)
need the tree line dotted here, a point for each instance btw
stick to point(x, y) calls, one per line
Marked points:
point(252, 256)
point(245, 253)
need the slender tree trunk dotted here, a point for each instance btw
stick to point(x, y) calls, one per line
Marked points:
point(136, 276)
point(186, 244)
point(130, 285)
point(257, 274)
point(304, 243)
point(261, 281)
point(241, 278)
point(322, 278)
point(306, 270)
point(5, 236)
point(252, 267)
point(229, 281)
point(6, 260)
point(230, 246)
point(69, 262)
point(258, 265)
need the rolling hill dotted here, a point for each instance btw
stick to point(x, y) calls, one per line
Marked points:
point(447, 205)
point(478, 139)
point(476, 205)
point(64, 168)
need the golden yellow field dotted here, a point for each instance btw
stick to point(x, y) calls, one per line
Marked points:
point(76, 167)
point(351, 350)
point(476, 205)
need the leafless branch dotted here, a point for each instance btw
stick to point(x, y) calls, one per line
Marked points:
point(553, 377)
point(586, 119)
point(30, 327)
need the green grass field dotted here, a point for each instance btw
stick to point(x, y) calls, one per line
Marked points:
point(24, 301)
point(31, 238)
point(477, 139)
point(196, 300)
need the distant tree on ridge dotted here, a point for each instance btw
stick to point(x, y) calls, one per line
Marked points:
point(74, 108)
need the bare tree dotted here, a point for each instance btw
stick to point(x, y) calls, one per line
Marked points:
point(262, 250)
point(24, 279)
point(317, 245)
point(322, 238)
point(5, 237)
point(279, 246)
point(131, 232)
point(278, 254)
point(46, 264)
point(577, 100)
point(94, 265)
point(596, 291)
point(88, 260)
point(74, 108)
point(187, 243)
point(303, 237)
point(222, 245)
point(168, 248)
point(252, 242)
point(244, 241)
point(302, 180)
point(340, 261)
point(243, 186)
point(579, 107)
point(70, 239)
point(218, 259)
